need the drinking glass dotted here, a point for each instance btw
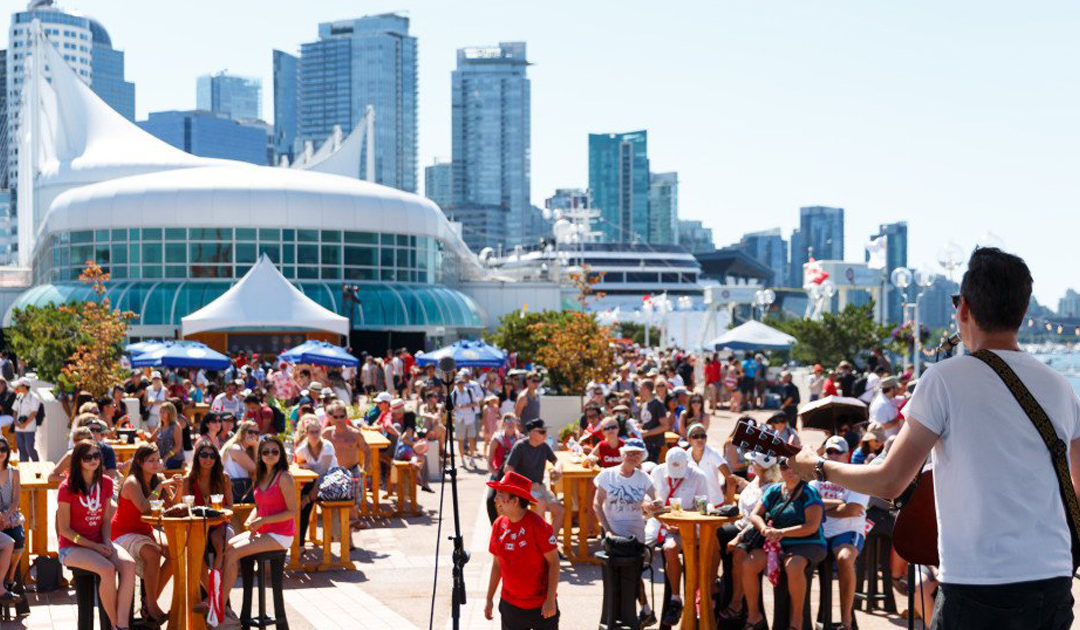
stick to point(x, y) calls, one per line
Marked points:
point(189, 501)
point(156, 505)
point(676, 505)
point(216, 499)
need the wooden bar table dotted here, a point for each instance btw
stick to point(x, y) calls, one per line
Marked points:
point(34, 486)
point(376, 441)
point(575, 480)
point(671, 438)
point(301, 476)
point(195, 413)
point(698, 534)
point(187, 542)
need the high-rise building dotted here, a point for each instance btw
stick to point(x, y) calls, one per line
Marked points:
point(896, 246)
point(490, 103)
point(568, 199)
point(210, 135)
point(286, 76)
point(439, 184)
point(3, 121)
point(820, 234)
point(935, 307)
point(769, 248)
point(8, 227)
point(697, 238)
point(356, 63)
point(663, 208)
point(84, 44)
point(619, 184)
point(239, 98)
point(795, 271)
point(1069, 304)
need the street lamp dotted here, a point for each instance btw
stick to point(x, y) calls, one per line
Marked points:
point(685, 304)
point(902, 278)
point(764, 298)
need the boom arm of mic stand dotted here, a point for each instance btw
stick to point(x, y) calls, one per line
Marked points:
point(460, 557)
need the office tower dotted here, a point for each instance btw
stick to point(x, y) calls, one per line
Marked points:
point(210, 135)
point(935, 308)
point(795, 271)
point(619, 185)
point(663, 208)
point(3, 121)
point(896, 246)
point(769, 248)
point(286, 76)
point(438, 183)
point(567, 199)
point(84, 43)
point(356, 63)
point(697, 238)
point(1069, 305)
point(820, 234)
point(490, 104)
point(239, 98)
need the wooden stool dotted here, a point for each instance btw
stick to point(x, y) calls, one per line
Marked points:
point(240, 513)
point(336, 511)
point(405, 474)
point(276, 562)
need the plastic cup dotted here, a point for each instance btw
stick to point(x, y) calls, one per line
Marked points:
point(216, 499)
point(676, 505)
point(701, 502)
point(156, 505)
point(189, 500)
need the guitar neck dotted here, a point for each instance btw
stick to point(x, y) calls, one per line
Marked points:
point(752, 437)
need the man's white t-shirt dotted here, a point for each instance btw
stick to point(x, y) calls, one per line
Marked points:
point(883, 411)
point(872, 380)
point(833, 525)
point(622, 504)
point(692, 485)
point(1000, 516)
point(25, 404)
point(710, 463)
point(466, 395)
point(223, 404)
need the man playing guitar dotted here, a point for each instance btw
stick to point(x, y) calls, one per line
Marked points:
point(1003, 538)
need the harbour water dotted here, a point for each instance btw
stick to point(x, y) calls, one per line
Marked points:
point(1067, 363)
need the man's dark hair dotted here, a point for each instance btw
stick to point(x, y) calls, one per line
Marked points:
point(997, 289)
point(252, 398)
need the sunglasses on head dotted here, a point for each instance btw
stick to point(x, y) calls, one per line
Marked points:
point(89, 457)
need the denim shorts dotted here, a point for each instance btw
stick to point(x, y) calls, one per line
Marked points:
point(855, 539)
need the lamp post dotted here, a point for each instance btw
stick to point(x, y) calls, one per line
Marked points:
point(764, 298)
point(685, 304)
point(902, 278)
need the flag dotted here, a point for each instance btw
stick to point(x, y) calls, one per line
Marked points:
point(876, 250)
point(813, 273)
point(216, 613)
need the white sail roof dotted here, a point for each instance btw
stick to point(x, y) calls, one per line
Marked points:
point(263, 299)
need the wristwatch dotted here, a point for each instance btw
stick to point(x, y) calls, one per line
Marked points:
point(819, 469)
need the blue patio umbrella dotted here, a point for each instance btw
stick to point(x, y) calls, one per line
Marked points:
point(466, 353)
point(319, 353)
point(139, 347)
point(182, 354)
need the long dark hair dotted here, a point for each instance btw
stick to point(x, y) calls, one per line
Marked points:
point(76, 483)
point(7, 450)
point(217, 471)
point(137, 460)
point(261, 471)
point(204, 424)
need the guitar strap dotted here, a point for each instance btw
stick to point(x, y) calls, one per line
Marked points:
point(1058, 448)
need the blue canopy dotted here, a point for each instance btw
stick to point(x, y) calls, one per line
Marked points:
point(319, 353)
point(140, 347)
point(470, 354)
point(182, 354)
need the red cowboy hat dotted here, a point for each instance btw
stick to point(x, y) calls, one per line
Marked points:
point(515, 484)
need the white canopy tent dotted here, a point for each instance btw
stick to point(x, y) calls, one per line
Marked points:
point(753, 335)
point(263, 300)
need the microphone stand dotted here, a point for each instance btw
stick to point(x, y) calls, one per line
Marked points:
point(460, 557)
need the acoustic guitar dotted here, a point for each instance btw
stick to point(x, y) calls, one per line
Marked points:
point(915, 533)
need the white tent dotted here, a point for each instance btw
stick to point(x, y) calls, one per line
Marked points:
point(263, 299)
point(753, 335)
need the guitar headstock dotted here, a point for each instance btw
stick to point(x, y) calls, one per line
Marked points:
point(750, 436)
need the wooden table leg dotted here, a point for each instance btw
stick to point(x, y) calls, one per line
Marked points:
point(41, 522)
point(582, 518)
point(178, 611)
point(294, 552)
point(327, 531)
point(688, 533)
point(346, 540)
point(707, 546)
point(26, 506)
point(195, 554)
point(376, 481)
point(568, 517)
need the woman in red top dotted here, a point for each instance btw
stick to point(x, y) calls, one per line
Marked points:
point(272, 525)
point(143, 484)
point(83, 526)
point(205, 478)
point(607, 454)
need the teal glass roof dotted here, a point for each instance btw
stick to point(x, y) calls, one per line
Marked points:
point(382, 305)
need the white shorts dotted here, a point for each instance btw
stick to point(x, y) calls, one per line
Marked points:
point(542, 493)
point(466, 431)
point(133, 544)
point(281, 539)
point(6, 421)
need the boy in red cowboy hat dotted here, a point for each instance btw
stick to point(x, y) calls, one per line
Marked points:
point(525, 560)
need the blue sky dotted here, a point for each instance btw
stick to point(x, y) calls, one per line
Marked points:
point(959, 117)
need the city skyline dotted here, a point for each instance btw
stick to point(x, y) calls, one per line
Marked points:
point(909, 122)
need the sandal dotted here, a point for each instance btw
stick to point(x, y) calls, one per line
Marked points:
point(761, 625)
point(730, 613)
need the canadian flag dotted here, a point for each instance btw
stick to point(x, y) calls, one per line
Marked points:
point(813, 273)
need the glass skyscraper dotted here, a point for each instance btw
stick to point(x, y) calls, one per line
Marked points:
point(663, 208)
point(208, 134)
point(438, 183)
point(820, 234)
point(769, 248)
point(490, 101)
point(286, 75)
point(896, 246)
point(239, 98)
point(356, 63)
point(619, 185)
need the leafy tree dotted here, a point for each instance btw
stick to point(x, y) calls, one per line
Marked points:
point(44, 337)
point(95, 364)
point(837, 337)
point(636, 333)
point(515, 332)
point(575, 349)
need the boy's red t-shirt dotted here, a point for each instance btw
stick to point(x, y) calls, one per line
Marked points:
point(520, 548)
point(608, 455)
point(87, 511)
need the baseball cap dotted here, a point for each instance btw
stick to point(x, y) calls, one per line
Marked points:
point(315, 386)
point(532, 425)
point(873, 432)
point(888, 382)
point(397, 403)
point(633, 445)
point(765, 461)
point(836, 443)
point(677, 462)
point(155, 374)
point(680, 390)
point(383, 397)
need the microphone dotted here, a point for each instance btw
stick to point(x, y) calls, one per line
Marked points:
point(447, 367)
point(948, 342)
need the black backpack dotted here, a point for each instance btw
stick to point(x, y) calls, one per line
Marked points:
point(278, 422)
point(40, 417)
point(859, 387)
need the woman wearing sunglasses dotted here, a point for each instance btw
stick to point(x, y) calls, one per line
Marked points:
point(272, 525)
point(238, 457)
point(318, 456)
point(84, 527)
point(207, 478)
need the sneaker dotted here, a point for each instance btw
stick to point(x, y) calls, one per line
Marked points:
point(673, 613)
point(646, 619)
